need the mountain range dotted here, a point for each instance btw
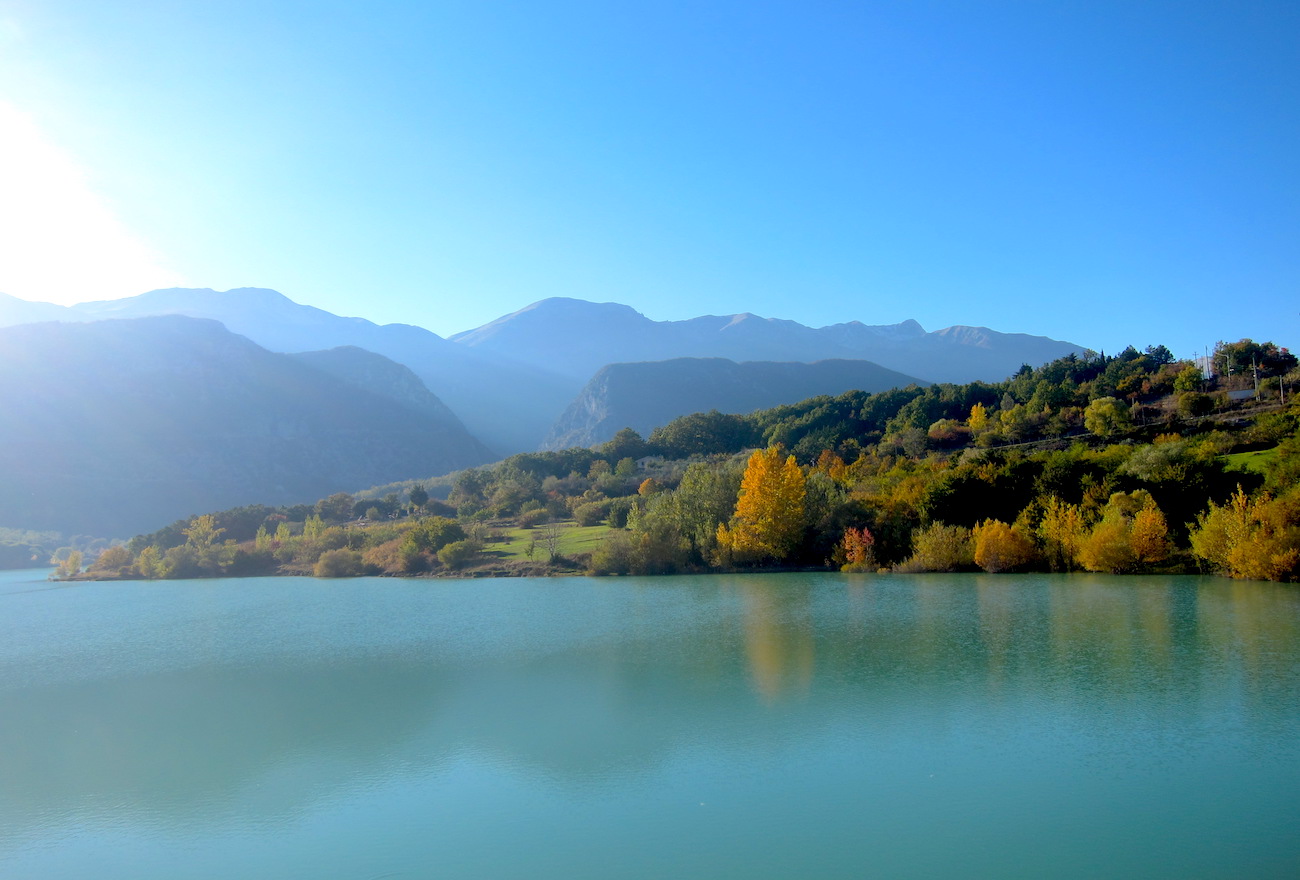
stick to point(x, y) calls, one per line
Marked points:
point(121, 426)
point(511, 379)
point(392, 401)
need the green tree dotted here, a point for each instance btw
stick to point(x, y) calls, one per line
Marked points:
point(149, 563)
point(203, 532)
point(1107, 416)
point(313, 527)
point(1189, 378)
point(336, 508)
point(625, 444)
point(419, 496)
point(458, 554)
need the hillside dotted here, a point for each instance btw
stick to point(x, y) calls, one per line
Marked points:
point(644, 396)
point(115, 427)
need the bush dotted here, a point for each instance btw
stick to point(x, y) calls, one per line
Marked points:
point(1193, 403)
point(613, 556)
point(940, 547)
point(457, 554)
point(619, 510)
point(1000, 547)
point(435, 532)
point(385, 557)
point(339, 563)
point(593, 513)
point(536, 517)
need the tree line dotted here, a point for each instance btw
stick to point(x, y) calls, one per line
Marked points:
point(1098, 463)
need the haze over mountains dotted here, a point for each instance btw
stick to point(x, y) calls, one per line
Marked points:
point(510, 379)
point(577, 338)
point(117, 427)
point(560, 371)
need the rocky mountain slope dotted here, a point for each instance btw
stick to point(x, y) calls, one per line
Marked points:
point(643, 396)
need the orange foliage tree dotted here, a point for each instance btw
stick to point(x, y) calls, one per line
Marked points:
point(1000, 547)
point(769, 518)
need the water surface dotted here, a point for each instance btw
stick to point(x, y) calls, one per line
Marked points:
point(759, 727)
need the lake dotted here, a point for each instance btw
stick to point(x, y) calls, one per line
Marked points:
point(768, 726)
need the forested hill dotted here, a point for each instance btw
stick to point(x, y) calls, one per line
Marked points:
point(1133, 463)
point(116, 426)
point(643, 396)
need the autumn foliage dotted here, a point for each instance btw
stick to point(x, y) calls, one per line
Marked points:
point(769, 519)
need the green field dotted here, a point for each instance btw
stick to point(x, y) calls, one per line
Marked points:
point(1250, 461)
point(573, 539)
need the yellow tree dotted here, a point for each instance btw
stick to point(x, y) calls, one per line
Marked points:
point(769, 517)
point(1132, 533)
point(1062, 529)
point(1000, 547)
point(1150, 533)
point(1255, 538)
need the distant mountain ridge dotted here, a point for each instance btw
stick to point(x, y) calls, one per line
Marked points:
point(120, 426)
point(510, 379)
point(644, 396)
point(505, 404)
point(576, 338)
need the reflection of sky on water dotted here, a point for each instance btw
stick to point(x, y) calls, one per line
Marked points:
point(216, 712)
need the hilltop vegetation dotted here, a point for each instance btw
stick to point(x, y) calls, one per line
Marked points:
point(1115, 464)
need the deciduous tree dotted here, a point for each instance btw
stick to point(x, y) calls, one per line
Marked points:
point(769, 516)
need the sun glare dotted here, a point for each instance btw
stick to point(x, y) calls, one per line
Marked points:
point(59, 241)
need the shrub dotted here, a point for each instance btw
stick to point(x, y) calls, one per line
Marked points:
point(458, 554)
point(593, 513)
point(433, 533)
point(940, 547)
point(385, 557)
point(858, 549)
point(1000, 547)
point(613, 556)
point(339, 563)
point(531, 518)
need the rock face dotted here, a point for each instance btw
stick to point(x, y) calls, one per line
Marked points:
point(576, 338)
point(644, 396)
point(117, 427)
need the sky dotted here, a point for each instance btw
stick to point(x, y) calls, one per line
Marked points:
point(1108, 173)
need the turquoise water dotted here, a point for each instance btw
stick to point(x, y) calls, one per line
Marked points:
point(759, 727)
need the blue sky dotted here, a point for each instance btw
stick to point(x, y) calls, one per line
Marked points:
point(1107, 173)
